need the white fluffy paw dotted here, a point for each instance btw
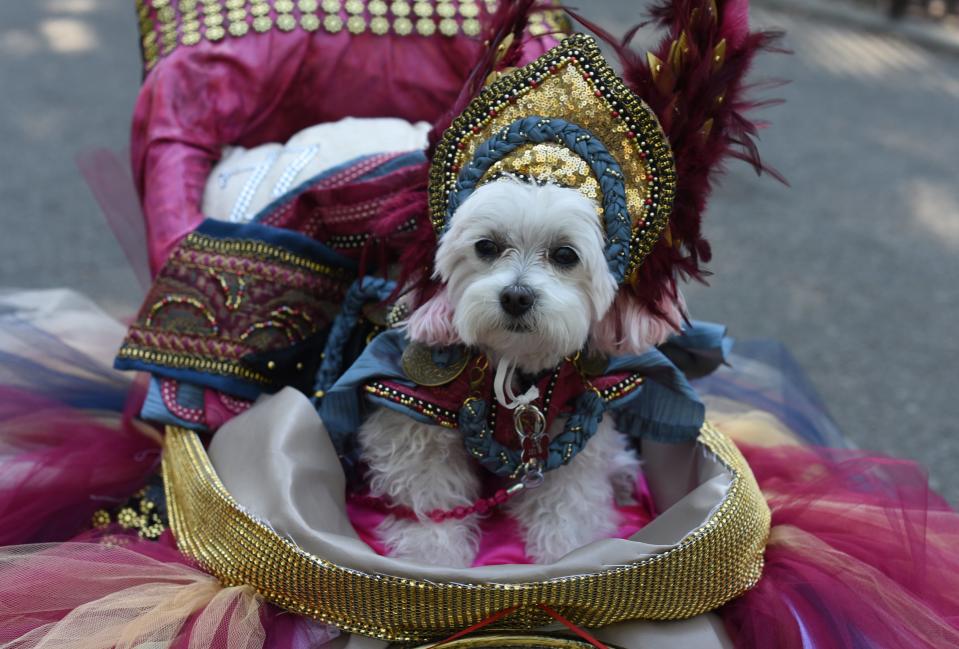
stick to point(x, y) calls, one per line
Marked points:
point(554, 534)
point(452, 543)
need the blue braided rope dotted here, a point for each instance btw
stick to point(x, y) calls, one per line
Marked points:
point(536, 130)
point(363, 290)
point(503, 461)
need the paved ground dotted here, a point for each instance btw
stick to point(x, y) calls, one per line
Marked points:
point(854, 267)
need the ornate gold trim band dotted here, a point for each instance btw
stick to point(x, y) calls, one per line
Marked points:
point(710, 566)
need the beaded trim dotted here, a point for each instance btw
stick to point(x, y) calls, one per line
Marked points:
point(450, 419)
point(571, 82)
point(169, 390)
point(621, 388)
point(166, 25)
point(442, 416)
point(710, 566)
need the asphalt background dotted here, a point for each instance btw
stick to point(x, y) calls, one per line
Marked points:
point(854, 266)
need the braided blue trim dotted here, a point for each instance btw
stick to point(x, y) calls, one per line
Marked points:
point(535, 129)
point(363, 290)
point(503, 461)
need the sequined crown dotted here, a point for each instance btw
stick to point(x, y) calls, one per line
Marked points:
point(565, 118)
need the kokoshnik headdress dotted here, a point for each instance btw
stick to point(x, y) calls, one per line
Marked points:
point(566, 118)
point(644, 146)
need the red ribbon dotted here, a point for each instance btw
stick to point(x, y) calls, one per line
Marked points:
point(499, 615)
point(581, 632)
point(479, 625)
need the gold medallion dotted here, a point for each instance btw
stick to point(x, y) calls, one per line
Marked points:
point(420, 367)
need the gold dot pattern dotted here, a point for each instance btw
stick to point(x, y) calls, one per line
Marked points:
point(168, 24)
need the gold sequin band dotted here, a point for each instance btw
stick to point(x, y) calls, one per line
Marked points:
point(711, 565)
point(166, 25)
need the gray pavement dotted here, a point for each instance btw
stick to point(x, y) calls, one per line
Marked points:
point(854, 266)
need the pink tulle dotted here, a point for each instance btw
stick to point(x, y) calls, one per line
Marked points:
point(111, 182)
point(861, 554)
point(501, 540)
point(59, 464)
point(112, 589)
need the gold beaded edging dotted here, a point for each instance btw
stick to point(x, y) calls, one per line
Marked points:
point(713, 564)
point(610, 110)
point(189, 361)
point(166, 25)
point(258, 250)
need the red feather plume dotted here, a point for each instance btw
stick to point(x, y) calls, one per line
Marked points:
point(694, 81)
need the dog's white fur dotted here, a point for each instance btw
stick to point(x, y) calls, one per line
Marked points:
point(426, 467)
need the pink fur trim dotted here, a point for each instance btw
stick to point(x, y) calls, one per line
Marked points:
point(432, 323)
point(630, 328)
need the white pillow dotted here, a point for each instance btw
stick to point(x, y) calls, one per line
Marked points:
point(245, 181)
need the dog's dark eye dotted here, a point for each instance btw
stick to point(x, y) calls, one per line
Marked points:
point(564, 256)
point(487, 249)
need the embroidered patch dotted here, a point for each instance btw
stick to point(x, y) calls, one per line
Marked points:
point(229, 296)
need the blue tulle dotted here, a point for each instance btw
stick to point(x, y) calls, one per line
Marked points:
point(764, 375)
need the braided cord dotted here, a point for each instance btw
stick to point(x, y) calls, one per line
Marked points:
point(504, 461)
point(363, 290)
point(536, 130)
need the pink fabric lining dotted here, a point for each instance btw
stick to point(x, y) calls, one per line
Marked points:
point(501, 540)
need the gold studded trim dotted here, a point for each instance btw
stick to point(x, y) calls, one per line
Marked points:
point(622, 388)
point(168, 24)
point(713, 564)
point(442, 416)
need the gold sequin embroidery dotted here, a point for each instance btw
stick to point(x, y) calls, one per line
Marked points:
point(140, 514)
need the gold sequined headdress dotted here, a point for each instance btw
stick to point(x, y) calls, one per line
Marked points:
point(565, 118)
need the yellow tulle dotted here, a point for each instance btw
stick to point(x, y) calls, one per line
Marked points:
point(97, 596)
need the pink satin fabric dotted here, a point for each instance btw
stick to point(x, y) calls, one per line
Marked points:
point(501, 540)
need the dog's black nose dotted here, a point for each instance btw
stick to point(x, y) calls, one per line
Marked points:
point(517, 299)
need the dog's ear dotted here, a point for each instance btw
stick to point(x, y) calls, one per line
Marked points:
point(432, 323)
point(630, 327)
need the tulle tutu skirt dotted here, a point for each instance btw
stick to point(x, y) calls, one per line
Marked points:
point(861, 552)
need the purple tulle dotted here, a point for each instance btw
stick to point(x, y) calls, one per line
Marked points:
point(60, 464)
point(861, 554)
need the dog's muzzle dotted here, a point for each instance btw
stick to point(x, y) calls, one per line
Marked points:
point(517, 299)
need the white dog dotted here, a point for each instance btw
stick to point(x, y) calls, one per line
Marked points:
point(525, 280)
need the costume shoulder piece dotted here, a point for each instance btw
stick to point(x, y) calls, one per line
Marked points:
point(649, 395)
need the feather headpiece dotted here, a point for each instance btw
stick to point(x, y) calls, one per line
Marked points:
point(668, 123)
